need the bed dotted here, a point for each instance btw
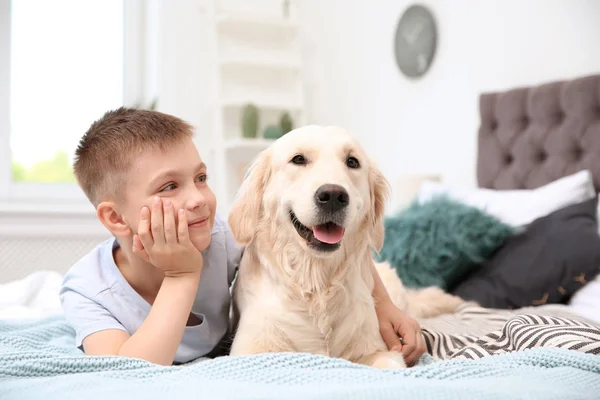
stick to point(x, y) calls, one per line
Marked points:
point(528, 138)
point(540, 144)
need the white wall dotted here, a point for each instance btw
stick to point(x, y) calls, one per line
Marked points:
point(427, 126)
point(430, 125)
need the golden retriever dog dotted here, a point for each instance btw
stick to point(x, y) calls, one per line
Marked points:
point(309, 213)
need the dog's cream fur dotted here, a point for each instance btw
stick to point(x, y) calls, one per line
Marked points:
point(291, 297)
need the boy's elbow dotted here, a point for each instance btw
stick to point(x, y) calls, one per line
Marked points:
point(151, 358)
point(108, 342)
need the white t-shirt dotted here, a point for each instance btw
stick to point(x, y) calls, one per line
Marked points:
point(95, 295)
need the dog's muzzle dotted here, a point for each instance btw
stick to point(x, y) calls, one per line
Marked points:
point(331, 199)
point(328, 230)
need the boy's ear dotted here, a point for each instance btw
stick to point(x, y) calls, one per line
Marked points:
point(113, 221)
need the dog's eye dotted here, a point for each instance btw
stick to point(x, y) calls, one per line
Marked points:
point(352, 162)
point(299, 160)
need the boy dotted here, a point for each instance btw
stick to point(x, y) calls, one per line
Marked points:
point(159, 289)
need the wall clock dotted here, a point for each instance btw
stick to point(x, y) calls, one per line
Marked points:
point(415, 41)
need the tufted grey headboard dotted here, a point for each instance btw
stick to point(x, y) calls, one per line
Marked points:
point(531, 136)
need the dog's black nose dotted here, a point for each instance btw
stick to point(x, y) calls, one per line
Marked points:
point(331, 198)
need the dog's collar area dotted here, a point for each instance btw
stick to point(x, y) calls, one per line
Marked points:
point(307, 234)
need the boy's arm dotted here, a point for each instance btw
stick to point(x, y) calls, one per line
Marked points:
point(379, 291)
point(395, 324)
point(164, 243)
point(160, 334)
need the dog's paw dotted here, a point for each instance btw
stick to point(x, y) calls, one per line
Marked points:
point(388, 360)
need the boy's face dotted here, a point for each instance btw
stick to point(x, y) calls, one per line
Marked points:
point(176, 174)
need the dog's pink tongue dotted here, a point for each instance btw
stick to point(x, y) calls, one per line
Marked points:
point(328, 233)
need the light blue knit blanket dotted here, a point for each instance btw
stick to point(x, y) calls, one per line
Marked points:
point(38, 361)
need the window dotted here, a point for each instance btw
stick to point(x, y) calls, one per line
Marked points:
point(68, 63)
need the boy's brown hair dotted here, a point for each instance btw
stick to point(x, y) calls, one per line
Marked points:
point(106, 151)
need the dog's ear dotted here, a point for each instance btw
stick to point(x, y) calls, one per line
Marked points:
point(380, 191)
point(245, 212)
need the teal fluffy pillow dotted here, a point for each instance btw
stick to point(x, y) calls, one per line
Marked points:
point(438, 242)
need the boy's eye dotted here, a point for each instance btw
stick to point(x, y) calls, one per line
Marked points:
point(169, 187)
point(201, 178)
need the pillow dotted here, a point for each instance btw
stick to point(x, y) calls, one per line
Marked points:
point(545, 263)
point(437, 242)
point(585, 301)
point(598, 216)
point(519, 207)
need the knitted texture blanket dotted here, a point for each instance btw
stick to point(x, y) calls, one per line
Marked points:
point(38, 360)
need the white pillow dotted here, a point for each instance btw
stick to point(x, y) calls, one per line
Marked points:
point(586, 301)
point(518, 207)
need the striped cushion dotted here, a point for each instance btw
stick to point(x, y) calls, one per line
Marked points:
point(475, 332)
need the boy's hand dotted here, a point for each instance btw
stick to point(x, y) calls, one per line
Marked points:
point(165, 244)
point(393, 325)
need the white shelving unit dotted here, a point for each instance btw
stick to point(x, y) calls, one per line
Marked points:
point(257, 61)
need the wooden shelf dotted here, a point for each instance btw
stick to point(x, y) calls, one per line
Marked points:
point(257, 61)
point(248, 143)
point(245, 21)
point(263, 104)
